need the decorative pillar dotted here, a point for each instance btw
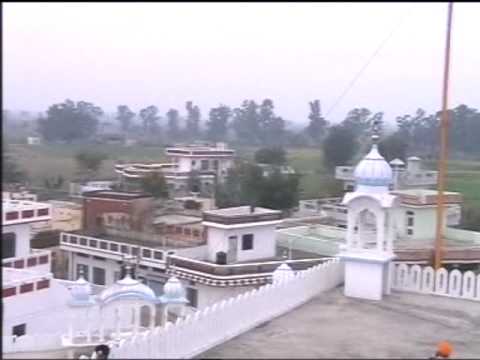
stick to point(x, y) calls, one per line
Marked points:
point(152, 317)
point(70, 325)
point(350, 228)
point(89, 330)
point(165, 315)
point(102, 325)
point(380, 231)
point(117, 322)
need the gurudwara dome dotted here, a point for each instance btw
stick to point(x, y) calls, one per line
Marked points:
point(373, 170)
point(128, 288)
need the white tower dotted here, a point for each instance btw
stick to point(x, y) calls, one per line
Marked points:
point(369, 248)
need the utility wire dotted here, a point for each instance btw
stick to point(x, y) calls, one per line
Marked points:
point(364, 67)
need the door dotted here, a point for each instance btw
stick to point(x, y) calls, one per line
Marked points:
point(232, 249)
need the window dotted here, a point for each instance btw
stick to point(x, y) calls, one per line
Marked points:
point(409, 231)
point(204, 164)
point(98, 276)
point(193, 163)
point(19, 330)
point(42, 212)
point(146, 253)
point(410, 221)
point(8, 245)
point(215, 164)
point(84, 268)
point(247, 242)
point(27, 214)
point(192, 297)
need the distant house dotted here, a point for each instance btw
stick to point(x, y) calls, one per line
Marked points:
point(268, 169)
point(34, 140)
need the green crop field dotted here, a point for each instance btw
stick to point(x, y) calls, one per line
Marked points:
point(46, 161)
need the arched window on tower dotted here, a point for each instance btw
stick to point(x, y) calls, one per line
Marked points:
point(367, 229)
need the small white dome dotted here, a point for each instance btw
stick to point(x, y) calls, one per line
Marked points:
point(81, 292)
point(127, 288)
point(414, 158)
point(282, 273)
point(397, 162)
point(173, 292)
point(373, 170)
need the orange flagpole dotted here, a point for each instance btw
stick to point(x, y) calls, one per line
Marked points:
point(442, 164)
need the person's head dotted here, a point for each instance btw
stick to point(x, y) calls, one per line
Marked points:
point(444, 349)
point(102, 351)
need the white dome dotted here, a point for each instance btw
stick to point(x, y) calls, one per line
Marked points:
point(397, 162)
point(81, 292)
point(173, 291)
point(282, 273)
point(373, 170)
point(127, 288)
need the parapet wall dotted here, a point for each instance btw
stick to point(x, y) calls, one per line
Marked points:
point(189, 337)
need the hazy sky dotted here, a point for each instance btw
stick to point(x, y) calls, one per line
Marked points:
point(167, 53)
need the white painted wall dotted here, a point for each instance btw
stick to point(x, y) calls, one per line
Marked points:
point(221, 322)
point(43, 311)
point(263, 242)
point(364, 280)
point(22, 244)
point(209, 295)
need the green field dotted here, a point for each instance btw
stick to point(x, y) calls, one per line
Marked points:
point(46, 161)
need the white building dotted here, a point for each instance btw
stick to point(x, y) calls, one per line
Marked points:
point(209, 163)
point(239, 253)
point(77, 189)
point(48, 317)
point(409, 176)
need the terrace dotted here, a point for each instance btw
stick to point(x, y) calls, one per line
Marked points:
point(241, 215)
point(17, 212)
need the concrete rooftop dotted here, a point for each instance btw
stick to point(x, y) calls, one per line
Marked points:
point(403, 325)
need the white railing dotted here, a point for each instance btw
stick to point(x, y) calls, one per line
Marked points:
point(189, 337)
point(436, 282)
point(31, 343)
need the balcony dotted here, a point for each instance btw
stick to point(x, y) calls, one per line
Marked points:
point(18, 282)
point(252, 273)
point(17, 212)
point(112, 249)
point(37, 260)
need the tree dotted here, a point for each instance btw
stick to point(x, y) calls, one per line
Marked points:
point(393, 147)
point(150, 119)
point(246, 122)
point(317, 127)
point(271, 127)
point(273, 155)
point(89, 162)
point(246, 185)
point(155, 184)
point(339, 146)
point(11, 172)
point(173, 123)
point(125, 117)
point(68, 121)
point(193, 120)
point(218, 122)
point(279, 191)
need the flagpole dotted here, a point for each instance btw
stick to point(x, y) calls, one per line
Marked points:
point(442, 164)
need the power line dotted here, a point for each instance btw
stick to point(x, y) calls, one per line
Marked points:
point(364, 67)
